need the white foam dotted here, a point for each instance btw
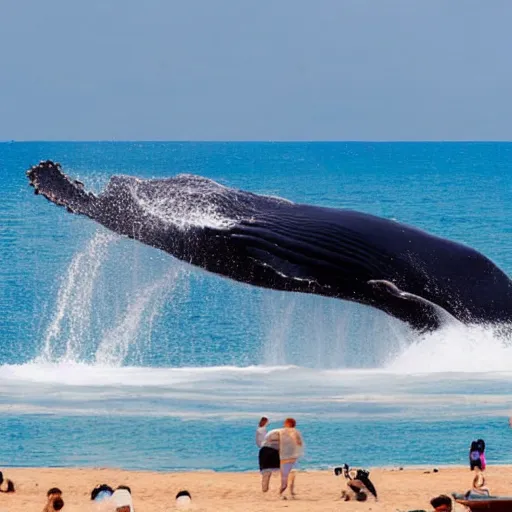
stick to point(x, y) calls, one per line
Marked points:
point(456, 348)
point(234, 393)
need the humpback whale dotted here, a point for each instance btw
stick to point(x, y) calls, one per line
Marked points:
point(271, 242)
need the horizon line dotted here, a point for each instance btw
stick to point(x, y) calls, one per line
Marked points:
point(258, 141)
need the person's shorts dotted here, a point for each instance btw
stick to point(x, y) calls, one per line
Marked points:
point(268, 459)
point(286, 469)
point(475, 464)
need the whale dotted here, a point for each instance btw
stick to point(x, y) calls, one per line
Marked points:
point(415, 276)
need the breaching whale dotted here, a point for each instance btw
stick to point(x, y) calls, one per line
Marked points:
point(270, 242)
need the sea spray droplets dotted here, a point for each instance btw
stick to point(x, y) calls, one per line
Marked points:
point(115, 344)
point(71, 321)
point(319, 332)
point(199, 205)
point(105, 311)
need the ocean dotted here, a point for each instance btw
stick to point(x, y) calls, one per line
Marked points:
point(115, 354)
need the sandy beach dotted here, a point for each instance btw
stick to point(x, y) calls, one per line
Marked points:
point(399, 490)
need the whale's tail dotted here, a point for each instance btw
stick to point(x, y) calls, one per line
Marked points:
point(49, 181)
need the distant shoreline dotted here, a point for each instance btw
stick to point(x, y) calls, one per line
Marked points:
point(300, 468)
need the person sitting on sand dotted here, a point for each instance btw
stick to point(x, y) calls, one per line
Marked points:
point(442, 503)
point(261, 431)
point(478, 488)
point(6, 485)
point(101, 492)
point(183, 499)
point(359, 484)
point(54, 500)
point(122, 498)
point(291, 447)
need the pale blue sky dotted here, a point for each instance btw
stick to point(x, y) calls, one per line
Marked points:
point(256, 70)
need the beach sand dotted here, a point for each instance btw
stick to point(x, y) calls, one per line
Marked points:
point(401, 490)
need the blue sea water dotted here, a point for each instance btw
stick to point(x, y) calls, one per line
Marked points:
point(130, 358)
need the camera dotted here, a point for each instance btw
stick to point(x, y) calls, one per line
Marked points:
point(340, 470)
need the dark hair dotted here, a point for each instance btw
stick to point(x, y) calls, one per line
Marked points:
point(477, 446)
point(1, 477)
point(183, 493)
point(125, 487)
point(263, 421)
point(53, 490)
point(361, 496)
point(442, 499)
point(101, 488)
point(58, 503)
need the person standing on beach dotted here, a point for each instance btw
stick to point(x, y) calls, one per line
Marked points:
point(268, 456)
point(291, 448)
point(477, 455)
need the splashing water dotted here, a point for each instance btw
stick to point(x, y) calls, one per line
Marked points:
point(74, 302)
point(93, 325)
point(94, 321)
point(457, 348)
point(116, 342)
point(319, 332)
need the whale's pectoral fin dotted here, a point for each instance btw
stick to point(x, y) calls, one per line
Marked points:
point(49, 181)
point(420, 313)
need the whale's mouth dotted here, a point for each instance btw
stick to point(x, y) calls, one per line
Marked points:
point(48, 180)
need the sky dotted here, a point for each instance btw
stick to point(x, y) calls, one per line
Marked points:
point(255, 70)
